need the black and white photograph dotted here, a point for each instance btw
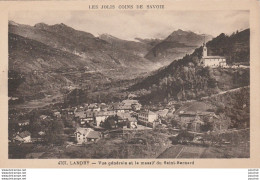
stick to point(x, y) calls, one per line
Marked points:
point(129, 84)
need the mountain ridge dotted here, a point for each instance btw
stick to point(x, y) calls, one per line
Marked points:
point(80, 43)
point(176, 45)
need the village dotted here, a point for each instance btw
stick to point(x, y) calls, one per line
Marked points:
point(92, 121)
point(88, 123)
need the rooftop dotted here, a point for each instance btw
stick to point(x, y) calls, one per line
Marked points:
point(132, 119)
point(24, 134)
point(83, 130)
point(80, 114)
point(129, 102)
point(93, 135)
point(105, 113)
point(148, 112)
point(213, 57)
point(121, 106)
point(89, 114)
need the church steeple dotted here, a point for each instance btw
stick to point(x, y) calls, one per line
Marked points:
point(205, 53)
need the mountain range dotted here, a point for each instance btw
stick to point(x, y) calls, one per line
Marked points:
point(105, 51)
point(50, 57)
point(93, 52)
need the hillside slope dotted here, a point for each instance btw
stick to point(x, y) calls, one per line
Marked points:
point(27, 55)
point(184, 79)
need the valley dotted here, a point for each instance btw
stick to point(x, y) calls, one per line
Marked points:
point(76, 95)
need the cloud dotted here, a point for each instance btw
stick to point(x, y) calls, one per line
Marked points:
point(144, 24)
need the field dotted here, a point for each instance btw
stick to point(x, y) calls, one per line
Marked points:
point(192, 151)
point(183, 151)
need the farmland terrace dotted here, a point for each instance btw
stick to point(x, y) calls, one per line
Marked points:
point(234, 144)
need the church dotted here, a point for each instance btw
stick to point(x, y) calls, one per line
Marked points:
point(212, 61)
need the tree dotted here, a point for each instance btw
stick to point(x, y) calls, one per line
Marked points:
point(175, 124)
point(55, 133)
point(208, 126)
point(220, 107)
point(212, 83)
point(35, 128)
point(184, 137)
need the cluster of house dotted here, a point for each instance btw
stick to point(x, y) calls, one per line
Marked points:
point(95, 117)
point(95, 114)
point(199, 121)
point(24, 136)
point(194, 120)
point(127, 114)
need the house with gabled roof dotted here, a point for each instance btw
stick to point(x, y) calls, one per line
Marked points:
point(24, 137)
point(84, 135)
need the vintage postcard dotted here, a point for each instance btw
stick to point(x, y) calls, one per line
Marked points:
point(130, 84)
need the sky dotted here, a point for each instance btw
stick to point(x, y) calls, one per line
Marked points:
point(143, 24)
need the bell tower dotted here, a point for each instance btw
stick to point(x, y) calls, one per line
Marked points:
point(205, 53)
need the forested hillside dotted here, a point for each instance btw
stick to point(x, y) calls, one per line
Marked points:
point(184, 79)
point(235, 47)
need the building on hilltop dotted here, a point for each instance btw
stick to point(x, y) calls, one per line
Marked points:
point(212, 61)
